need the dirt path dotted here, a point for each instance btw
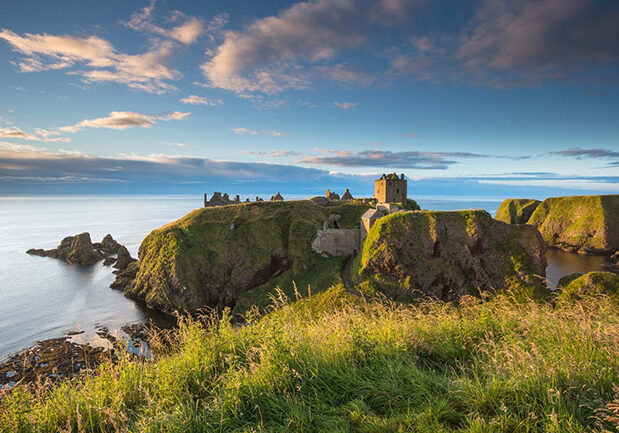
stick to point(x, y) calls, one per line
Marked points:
point(346, 276)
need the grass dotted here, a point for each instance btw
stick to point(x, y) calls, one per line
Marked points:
point(333, 362)
point(516, 210)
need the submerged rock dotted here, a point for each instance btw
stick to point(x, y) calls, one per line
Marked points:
point(450, 254)
point(516, 210)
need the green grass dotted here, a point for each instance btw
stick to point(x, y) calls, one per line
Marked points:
point(516, 210)
point(337, 363)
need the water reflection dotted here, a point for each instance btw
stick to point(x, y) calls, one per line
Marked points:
point(561, 263)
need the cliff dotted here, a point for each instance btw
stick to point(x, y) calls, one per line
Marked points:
point(584, 224)
point(450, 254)
point(516, 210)
point(211, 256)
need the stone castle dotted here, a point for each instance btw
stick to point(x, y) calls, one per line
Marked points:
point(390, 195)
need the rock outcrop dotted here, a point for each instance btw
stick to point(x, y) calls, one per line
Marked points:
point(591, 283)
point(77, 250)
point(516, 210)
point(450, 254)
point(583, 224)
point(108, 245)
point(212, 255)
point(124, 258)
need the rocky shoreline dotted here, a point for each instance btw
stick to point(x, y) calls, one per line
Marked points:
point(57, 359)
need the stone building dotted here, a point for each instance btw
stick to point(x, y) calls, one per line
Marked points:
point(277, 197)
point(390, 189)
point(347, 195)
point(367, 221)
point(332, 195)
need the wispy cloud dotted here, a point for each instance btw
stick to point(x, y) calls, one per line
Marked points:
point(272, 153)
point(247, 131)
point(96, 60)
point(201, 100)
point(379, 158)
point(38, 135)
point(124, 120)
point(267, 55)
point(187, 32)
point(345, 105)
point(174, 143)
point(579, 152)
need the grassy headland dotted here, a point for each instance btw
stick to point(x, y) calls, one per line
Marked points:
point(336, 363)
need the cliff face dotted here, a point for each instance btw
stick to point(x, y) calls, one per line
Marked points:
point(449, 254)
point(516, 210)
point(584, 224)
point(212, 255)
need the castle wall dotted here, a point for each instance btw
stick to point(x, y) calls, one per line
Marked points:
point(337, 242)
point(390, 190)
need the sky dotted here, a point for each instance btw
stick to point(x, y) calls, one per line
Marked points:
point(498, 98)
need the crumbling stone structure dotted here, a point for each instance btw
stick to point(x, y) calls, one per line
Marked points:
point(277, 197)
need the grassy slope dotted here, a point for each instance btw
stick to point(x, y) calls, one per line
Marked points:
point(516, 210)
point(584, 223)
point(336, 363)
point(403, 243)
point(204, 258)
point(591, 283)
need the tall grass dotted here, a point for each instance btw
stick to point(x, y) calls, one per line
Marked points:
point(334, 363)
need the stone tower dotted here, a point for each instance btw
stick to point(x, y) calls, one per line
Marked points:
point(390, 189)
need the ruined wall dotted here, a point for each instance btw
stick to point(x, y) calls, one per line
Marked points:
point(337, 242)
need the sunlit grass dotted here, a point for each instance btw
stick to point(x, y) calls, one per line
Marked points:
point(337, 363)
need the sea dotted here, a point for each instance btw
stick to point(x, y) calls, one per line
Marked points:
point(43, 298)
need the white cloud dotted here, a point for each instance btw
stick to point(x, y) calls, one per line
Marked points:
point(123, 120)
point(187, 33)
point(39, 135)
point(247, 131)
point(173, 143)
point(267, 55)
point(346, 105)
point(584, 184)
point(201, 100)
point(272, 153)
point(244, 131)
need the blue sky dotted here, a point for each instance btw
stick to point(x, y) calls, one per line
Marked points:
point(500, 98)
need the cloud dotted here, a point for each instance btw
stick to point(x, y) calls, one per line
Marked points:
point(540, 37)
point(578, 152)
point(173, 143)
point(96, 59)
point(388, 159)
point(39, 135)
point(267, 56)
point(201, 100)
point(272, 153)
point(123, 120)
point(247, 131)
point(345, 105)
point(186, 33)
point(244, 131)
point(577, 184)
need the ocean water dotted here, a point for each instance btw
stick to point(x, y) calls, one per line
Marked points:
point(43, 298)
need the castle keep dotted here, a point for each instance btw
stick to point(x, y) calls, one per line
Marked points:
point(390, 189)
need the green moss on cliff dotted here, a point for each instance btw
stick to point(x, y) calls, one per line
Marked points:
point(516, 210)
point(587, 224)
point(450, 254)
point(591, 284)
point(212, 255)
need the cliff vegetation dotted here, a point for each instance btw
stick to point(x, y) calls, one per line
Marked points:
point(516, 210)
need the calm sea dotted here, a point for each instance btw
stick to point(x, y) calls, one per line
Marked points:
point(42, 298)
